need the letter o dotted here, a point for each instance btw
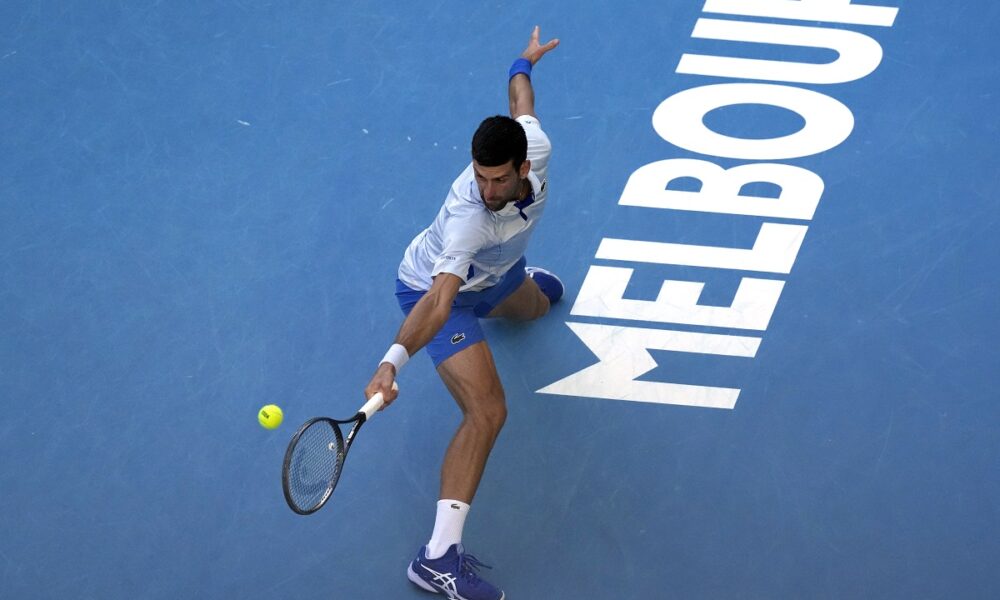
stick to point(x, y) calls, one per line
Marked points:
point(680, 120)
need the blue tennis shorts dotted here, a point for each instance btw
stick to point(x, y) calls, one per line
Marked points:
point(462, 328)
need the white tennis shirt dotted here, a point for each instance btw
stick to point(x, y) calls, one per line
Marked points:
point(471, 241)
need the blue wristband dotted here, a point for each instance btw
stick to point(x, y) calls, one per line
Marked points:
point(521, 65)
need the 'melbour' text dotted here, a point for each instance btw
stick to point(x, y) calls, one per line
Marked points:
point(623, 351)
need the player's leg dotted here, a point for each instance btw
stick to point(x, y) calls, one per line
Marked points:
point(442, 565)
point(466, 366)
point(524, 294)
point(526, 303)
point(472, 379)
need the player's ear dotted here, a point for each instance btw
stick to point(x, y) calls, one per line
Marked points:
point(525, 167)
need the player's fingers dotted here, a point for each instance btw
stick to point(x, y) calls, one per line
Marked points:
point(389, 395)
point(379, 387)
point(542, 50)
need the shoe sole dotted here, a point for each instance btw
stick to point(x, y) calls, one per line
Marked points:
point(530, 270)
point(412, 576)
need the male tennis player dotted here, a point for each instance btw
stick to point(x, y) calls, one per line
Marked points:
point(469, 264)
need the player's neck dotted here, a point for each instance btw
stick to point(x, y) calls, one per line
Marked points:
point(525, 189)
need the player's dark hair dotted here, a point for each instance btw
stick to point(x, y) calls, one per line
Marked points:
point(499, 139)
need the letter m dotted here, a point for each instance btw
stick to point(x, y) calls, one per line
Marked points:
point(623, 354)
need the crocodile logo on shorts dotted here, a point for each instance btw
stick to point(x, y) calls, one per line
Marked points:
point(457, 338)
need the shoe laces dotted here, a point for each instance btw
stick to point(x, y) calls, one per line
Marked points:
point(468, 567)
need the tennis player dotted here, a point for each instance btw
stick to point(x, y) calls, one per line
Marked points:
point(469, 264)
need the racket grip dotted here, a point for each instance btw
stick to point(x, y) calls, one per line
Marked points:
point(375, 403)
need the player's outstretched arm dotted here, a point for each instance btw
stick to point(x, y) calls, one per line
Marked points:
point(419, 328)
point(522, 96)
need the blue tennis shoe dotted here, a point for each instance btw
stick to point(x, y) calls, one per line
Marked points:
point(547, 281)
point(454, 575)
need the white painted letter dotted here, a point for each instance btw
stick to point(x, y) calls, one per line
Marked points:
point(859, 54)
point(831, 11)
point(720, 188)
point(774, 251)
point(680, 120)
point(603, 291)
point(623, 355)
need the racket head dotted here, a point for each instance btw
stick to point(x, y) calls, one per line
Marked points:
point(313, 463)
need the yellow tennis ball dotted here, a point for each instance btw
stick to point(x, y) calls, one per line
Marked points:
point(270, 416)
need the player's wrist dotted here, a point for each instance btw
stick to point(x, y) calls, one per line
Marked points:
point(521, 66)
point(395, 356)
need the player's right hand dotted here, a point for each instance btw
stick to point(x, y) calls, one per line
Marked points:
point(382, 381)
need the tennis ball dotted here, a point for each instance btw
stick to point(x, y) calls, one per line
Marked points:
point(270, 416)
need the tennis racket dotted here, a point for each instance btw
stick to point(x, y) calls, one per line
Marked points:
point(316, 455)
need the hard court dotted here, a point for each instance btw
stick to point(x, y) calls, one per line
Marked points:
point(203, 205)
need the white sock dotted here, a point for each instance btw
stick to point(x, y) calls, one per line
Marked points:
point(447, 527)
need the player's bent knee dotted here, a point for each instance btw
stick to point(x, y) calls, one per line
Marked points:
point(490, 417)
point(537, 309)
point(542, 307)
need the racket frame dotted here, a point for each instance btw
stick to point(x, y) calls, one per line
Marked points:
point(370, 408)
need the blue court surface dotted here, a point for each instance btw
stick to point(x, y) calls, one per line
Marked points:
point(774, 382)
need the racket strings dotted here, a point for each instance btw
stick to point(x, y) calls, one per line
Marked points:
point(315, 464)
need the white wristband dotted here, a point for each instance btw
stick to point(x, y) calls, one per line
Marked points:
point(396, 355)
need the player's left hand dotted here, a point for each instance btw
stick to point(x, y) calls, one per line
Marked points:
point(536, 50)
